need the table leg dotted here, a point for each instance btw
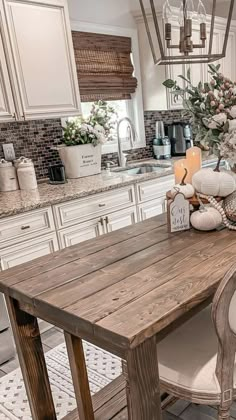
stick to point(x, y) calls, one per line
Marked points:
point(79, 375)
point(143, 389)
point(31, 357)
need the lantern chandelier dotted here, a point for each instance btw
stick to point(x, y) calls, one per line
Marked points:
point(186, 46)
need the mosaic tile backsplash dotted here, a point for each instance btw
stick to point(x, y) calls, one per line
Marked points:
point(35, 139)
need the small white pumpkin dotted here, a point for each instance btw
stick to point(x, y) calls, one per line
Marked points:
point(186, 189)
point(208, 182)
point(206, 219)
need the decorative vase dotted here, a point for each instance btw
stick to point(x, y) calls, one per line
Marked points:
point(82, 160)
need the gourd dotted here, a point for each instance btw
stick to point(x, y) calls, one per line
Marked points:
point(186, 189)
point(206, 219)
point(214, 183)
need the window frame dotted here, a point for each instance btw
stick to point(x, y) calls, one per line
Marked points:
point(136, 111)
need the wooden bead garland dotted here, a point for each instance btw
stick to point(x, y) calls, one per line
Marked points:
point(217, 206)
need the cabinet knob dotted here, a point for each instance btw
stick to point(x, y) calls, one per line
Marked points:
point(25, 227)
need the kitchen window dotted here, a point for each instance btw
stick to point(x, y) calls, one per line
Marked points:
point(108, 68)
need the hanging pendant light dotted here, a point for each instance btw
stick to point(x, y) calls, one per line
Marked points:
point(186, 46)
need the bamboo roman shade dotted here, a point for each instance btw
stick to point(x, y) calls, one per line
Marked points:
point(104, 66)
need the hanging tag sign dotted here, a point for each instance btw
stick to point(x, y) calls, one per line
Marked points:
point(178, 213)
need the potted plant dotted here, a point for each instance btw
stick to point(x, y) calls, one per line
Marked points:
point(83, 139)
point(212, 107)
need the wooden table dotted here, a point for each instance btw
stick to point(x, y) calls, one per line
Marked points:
point(123, 292)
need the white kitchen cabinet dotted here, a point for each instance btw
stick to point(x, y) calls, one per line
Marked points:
point(42, 58)
point(152, 208)
point(29, 225)
point(82, 232)
point(120, 219)
point(76, 211)
point(28, 250)
point(7, 107)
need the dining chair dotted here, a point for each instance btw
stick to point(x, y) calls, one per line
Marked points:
point(197, 360)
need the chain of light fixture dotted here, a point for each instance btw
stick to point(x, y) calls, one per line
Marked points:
point(186, 45)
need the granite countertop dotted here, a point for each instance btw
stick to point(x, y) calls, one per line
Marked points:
point(17, 202)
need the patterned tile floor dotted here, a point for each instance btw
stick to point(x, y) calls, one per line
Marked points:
point(181, 410)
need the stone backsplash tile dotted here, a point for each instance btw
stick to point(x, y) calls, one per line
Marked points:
point(35, 139)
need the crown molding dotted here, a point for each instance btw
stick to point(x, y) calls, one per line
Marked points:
point(219, 21)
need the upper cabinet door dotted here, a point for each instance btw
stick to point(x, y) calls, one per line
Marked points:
point(7, 109)
point(43, 57)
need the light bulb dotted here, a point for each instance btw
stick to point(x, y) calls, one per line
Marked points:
point(201, 12)
point(181, 14)
point(167, 12)
point(189, 9)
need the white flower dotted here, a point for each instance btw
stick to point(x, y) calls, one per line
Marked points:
point(233, 111)
point(228, 147)
point(217, 120)
point(99, 128)
point(232, 125)
point(101, 138)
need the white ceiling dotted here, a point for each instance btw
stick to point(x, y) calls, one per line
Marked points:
point(222, 5)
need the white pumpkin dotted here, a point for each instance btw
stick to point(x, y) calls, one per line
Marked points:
point(208, 182)
point(206, 219)
point(186, 189)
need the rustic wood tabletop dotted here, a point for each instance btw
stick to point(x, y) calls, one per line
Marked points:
point(123, 292)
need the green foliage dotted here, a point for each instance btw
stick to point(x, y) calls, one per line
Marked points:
point(209, 104)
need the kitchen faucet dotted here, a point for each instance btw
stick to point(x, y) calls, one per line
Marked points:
point(122, 157)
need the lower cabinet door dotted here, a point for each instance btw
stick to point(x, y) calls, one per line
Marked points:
point(152, 208)
point(81, 232)
point(28, 251)
point(121, 219)
point(4, 321)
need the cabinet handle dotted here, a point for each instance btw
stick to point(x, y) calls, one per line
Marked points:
point(25, 227)
point(23, 116)
point(107, 220)
point(101, 205)
point(101, 221)
point(14, 116)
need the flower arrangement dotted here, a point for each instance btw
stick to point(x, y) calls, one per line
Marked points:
point(94, 130)
point(212, 106)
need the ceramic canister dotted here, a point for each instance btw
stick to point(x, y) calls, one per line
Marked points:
point(26, 175)
point(8, 177)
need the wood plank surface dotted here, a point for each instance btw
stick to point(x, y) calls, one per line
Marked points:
point(89, 264)
point(49, 262)
point(127, 287)
point(90, 284)
point(152, 312)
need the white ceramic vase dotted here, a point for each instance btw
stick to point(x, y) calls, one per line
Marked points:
point(80, 161)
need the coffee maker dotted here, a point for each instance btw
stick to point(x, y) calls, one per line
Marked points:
point(180, 135)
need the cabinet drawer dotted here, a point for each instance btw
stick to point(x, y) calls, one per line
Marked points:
point(155, 188)
point(28, 251)
point(151, 208)
point(29, 225)
point(75, 211)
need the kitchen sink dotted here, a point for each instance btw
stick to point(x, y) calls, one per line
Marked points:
point(142, 169)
